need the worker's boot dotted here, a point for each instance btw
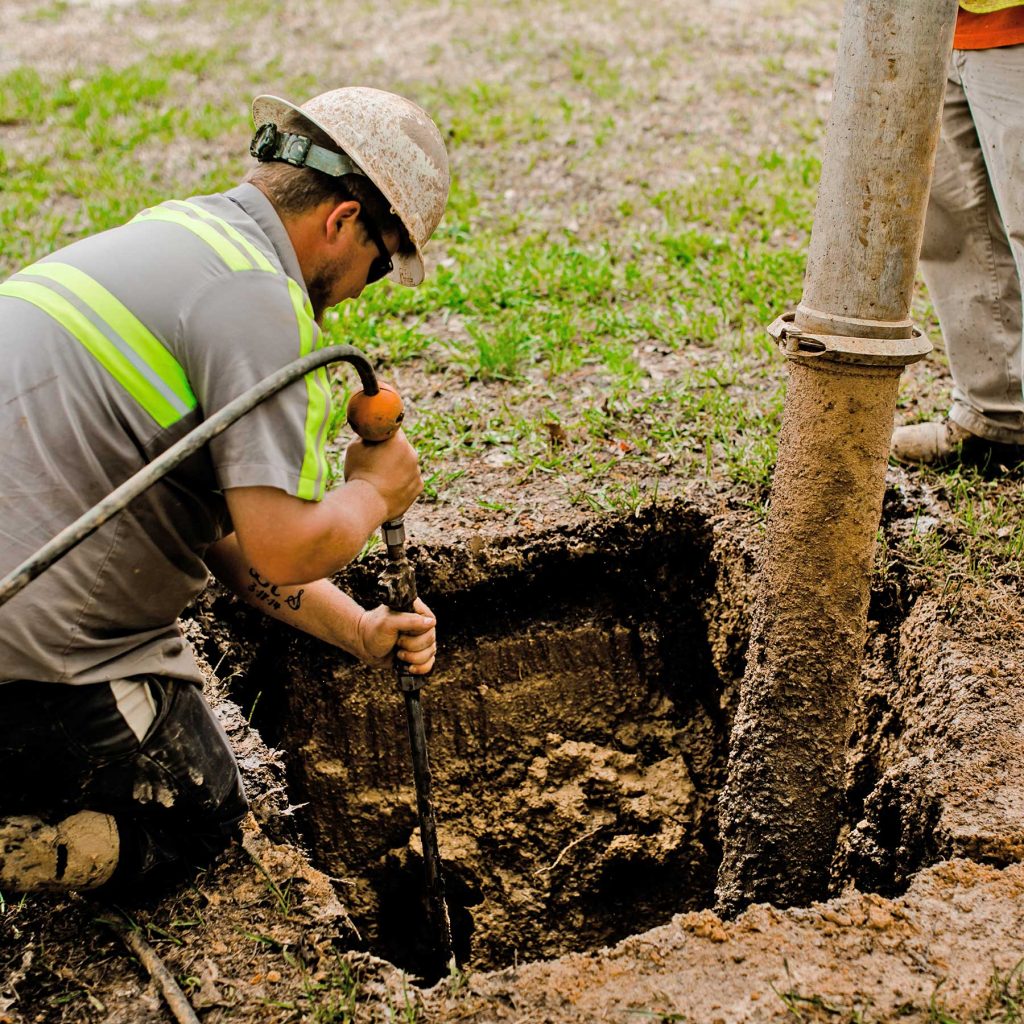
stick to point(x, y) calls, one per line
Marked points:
point(79, 852)
point(937, 443)
point(943, 442)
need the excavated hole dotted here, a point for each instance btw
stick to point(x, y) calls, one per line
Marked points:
point(578, 727)
point(578, 732)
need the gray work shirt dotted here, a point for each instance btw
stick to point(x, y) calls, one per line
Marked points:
point(70, 432)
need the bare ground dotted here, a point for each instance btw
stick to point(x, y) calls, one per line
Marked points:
point(927, 919)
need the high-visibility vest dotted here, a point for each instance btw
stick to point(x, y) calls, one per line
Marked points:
point(135, 357)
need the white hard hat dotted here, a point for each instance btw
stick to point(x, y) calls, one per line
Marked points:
point(395, 144)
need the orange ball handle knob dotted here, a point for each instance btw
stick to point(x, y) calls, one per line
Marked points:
point(376, 417)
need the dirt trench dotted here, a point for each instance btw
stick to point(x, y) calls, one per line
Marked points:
point(578, 732)
point(579, 728)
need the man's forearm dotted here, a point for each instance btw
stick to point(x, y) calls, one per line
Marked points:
point(318, 608)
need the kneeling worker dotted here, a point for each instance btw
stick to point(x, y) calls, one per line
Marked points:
point(113, 770)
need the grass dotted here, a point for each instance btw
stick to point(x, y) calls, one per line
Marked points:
point(549, 322)
point(545, 313)
point(335, 999)
point(99, 160)
point(1004, 1001)
point(973, 550)
point(522, 324)
point(339, 996)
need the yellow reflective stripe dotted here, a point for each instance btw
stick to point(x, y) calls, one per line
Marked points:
point(313, 475)
point(233, 233)
point(989, 6)
point(132, 331)
point(213, 238)
point(103, 350)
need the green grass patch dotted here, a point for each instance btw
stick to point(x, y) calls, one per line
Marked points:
point(547, 318)
point(981, 543)
point(546, 341)
point(92, 150)
point(554, 326)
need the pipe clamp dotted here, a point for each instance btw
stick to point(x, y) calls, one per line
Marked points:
point(393, 532)
point(807, 346)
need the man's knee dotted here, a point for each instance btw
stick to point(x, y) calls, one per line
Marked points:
point(179, 800)
point(176, 795)
point(159, 850)
point(186, 763)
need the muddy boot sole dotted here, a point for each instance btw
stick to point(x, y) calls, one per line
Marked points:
point(80, 852)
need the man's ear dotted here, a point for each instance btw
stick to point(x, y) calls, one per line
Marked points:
point(338, 216)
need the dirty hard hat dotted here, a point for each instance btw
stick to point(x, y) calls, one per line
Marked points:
point(394, 143)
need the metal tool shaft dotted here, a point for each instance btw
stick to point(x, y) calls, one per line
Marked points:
point(399, 581)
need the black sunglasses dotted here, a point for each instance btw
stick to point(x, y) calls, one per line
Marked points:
point(381, 265)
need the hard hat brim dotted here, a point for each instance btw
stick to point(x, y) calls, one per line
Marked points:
point(408, 267)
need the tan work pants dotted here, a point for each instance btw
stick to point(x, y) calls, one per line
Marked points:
point(973, 253)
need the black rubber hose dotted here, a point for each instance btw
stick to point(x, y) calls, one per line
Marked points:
point(88, 523)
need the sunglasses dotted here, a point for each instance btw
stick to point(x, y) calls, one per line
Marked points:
point(381, 265)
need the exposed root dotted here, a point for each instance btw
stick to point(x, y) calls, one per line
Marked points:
point(176, 1000)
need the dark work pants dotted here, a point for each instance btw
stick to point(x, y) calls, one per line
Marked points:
point(177, 796)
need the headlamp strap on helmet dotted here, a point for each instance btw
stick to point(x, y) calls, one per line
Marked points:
point(270, 144)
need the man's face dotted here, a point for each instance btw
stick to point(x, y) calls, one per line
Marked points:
point(345, 273)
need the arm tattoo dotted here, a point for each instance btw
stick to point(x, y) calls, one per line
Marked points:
point(270, 594)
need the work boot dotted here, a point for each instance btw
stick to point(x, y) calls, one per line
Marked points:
point(929, 444)
point(79, 852)
point(941, 443)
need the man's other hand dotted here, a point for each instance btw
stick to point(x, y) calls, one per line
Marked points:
point(381, 631)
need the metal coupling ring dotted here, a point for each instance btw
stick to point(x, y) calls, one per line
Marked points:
point(840, 348)
point(394, 533)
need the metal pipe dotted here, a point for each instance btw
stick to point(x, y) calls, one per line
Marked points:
point(846, 344)
point(89, 522)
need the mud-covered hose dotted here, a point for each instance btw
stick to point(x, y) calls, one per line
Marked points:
point(88, 523)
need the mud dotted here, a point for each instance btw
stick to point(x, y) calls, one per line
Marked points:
point(940, 746)
point(926, 923)
point(604, 828)
point(935, 743)
point(579, 731)
point(942, 952)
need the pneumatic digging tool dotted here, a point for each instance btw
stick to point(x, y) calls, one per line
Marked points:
point(377, 418)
